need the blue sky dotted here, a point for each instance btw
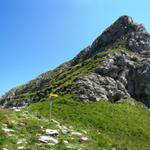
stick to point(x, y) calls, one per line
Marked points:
point(38, 35)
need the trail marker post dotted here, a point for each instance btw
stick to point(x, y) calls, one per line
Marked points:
point(51, 104)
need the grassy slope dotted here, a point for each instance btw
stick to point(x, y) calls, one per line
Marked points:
point(61, 82)
point(124, 125)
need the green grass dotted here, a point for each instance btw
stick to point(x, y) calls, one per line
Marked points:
point(123, 125)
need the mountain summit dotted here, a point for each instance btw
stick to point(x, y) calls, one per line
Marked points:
point(114, 67)
point(123, 28)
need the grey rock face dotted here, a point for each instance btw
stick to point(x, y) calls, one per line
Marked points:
point(139, 42)
point(119, 76)
point(108, 81)
point(139, 82)
point(96, 87)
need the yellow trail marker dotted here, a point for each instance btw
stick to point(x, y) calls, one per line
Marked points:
point(51, 95)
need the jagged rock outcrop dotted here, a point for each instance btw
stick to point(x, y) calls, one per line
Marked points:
point(95, 87)
point(120, 75)
point(124, 28)
point(109, 80)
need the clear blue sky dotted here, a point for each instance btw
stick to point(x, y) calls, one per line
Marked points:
point(38, 35)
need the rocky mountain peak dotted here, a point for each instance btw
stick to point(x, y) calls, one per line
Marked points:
point(127, 22)
point(135, 37)
point(114, 74)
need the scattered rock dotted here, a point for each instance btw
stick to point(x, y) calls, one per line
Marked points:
point(71, 147)
point(64, 131)
point(46, 139)
point(21, 141)
point(8, 130)
point(51, 132)
point(66, 142)
point(113, 148)
point(84, 139)
point(55, 122)
point(76, 134)
point(21, 147)
point(21, 124)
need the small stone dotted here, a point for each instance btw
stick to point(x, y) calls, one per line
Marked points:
point(55, 121)
point(113, 148)
point(66, 142)
point(21, 147)
point(7, 130)
point(46, 139)
point(70, 127)
point(73, 147)
point(51, 132)
point(76, 133)
point(63, 131)
point(72, 138)
point(84, 139)
point(19, 142)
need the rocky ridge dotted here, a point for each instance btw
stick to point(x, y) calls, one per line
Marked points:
point(122, 74)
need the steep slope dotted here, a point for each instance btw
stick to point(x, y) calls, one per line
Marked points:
point(115, 66)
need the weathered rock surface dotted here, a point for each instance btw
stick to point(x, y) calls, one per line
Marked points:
point(108, 81)
point(139, 82)
point(119, 76)
point(139, 42)
point(96, 87)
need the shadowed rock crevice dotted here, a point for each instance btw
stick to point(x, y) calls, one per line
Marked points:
point(139, 82)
